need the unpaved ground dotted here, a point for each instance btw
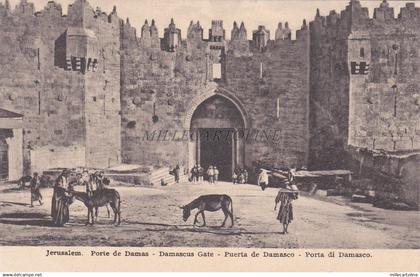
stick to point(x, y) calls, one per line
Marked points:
point(151, 217)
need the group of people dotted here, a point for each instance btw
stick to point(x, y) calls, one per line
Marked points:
point(197, 174)
point(62, 196)
point(213, 174)
point(240, 176)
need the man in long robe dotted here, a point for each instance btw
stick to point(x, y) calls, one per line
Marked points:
point(61, 201)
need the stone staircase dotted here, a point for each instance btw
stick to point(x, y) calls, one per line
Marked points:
point(150, 177)
point(158, 175)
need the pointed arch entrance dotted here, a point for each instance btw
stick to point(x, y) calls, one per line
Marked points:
point(217, 120)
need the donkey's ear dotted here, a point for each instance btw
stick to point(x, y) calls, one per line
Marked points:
point(181, 207)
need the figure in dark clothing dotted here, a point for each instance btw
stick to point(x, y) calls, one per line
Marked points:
point(177, 172)
point(35, 185)
point(61, 200)
point(194, 174)
point(285, 198)
point(200, 171)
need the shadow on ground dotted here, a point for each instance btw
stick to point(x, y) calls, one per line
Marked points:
point(217, 230)
point(30, 219)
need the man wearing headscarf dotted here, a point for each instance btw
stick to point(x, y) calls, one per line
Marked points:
point(61, 200)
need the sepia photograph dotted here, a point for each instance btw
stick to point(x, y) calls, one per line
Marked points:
point(211, 124)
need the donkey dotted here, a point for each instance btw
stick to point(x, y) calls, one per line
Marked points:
point(99, 199)
point(211, 203)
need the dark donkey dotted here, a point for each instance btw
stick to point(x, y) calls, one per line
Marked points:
point(101, 198)
point(211, 203)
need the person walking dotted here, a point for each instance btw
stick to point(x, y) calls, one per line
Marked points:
point(263, 179)
point(35, 185)
point(215, 174)
point(285, 196)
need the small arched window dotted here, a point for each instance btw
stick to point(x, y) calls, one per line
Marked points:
point(362, 52)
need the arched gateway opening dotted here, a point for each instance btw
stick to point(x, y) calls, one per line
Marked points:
point(216, 124)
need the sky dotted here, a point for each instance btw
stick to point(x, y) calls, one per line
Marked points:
point(252, 12)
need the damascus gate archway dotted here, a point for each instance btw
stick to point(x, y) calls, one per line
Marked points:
point(217, 121)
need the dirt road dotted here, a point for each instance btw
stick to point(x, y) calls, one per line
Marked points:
point(152, 217)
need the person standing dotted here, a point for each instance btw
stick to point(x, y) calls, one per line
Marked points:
point(194, 174)
point(210, 174)
point(285, 198)
point(87, 182)
point(245, 175)
point(215, 174)
point(234, 177)
point(200, 171)
point(61, 200)
point(177, 172)
point(263, 179)
point(35, 185)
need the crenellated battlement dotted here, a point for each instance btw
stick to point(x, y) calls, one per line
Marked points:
point(356, 17)
point(172, 38)
point(80, 13)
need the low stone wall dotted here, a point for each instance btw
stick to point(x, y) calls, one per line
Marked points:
point(393, 176)
point(44, 158)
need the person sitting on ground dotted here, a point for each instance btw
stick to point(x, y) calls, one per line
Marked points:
point(35, 185)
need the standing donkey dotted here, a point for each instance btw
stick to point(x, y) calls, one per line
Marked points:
point(100, 198)
point(211, 203)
